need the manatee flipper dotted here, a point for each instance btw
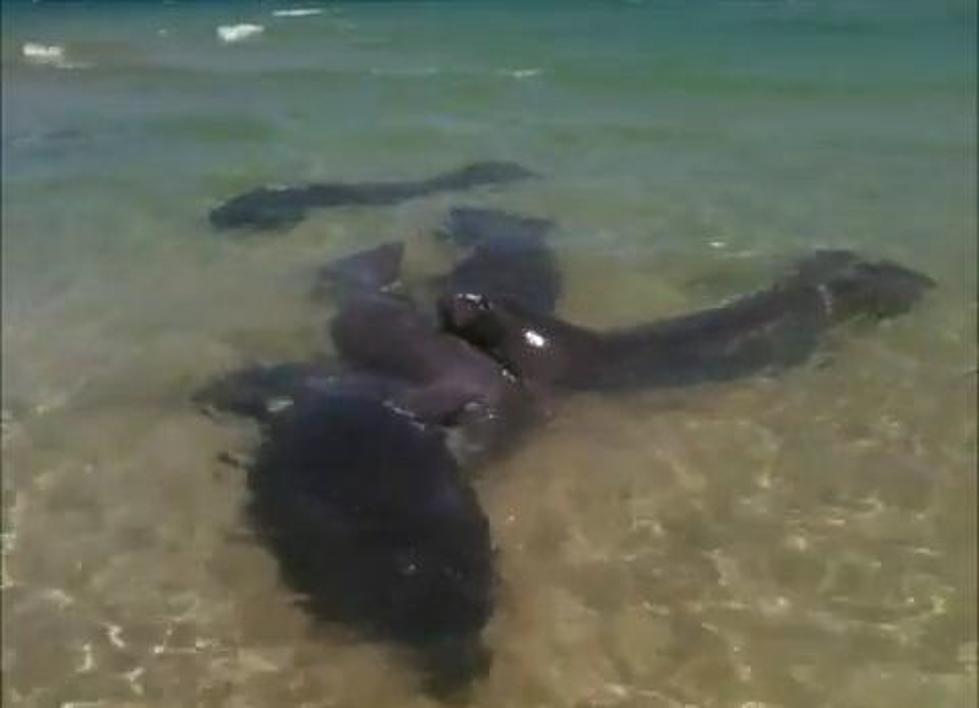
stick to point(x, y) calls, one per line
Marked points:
point(263, 391)
point(258, 391)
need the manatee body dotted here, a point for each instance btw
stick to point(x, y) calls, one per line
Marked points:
point(372, 525)
point(388, 335)
point(446, 381)
point(443, 379)
point(277, 208)
point(391, 349)
point(770, 329)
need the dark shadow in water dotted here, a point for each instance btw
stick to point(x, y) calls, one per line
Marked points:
point(277, 208)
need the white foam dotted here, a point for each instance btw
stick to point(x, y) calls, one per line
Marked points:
point(298, 12)
point(43, 53)
point(521, 73)
point(133, 678)
point(237, 33)
point(88, 659)
point(114, 633)
point(49, 55)
point(407, 72)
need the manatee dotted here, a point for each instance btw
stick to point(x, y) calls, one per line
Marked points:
point(373, 526)
point(356, 487)
point(768, 330)
point(277, 208)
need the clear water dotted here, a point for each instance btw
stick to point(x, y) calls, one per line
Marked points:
point(802, 541)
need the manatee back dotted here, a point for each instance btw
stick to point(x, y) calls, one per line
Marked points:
point(372, 524)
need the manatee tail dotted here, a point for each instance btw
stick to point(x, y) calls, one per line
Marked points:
point(508, 256)
point(855, 287)
point(881, 290)
point(474, 226)
point(477, 174)
point(365, 272)
point(262, 209)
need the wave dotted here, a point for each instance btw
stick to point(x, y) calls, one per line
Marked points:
point(49, 55)
point(424, 71)
point(298, 12)
point(237, 33)
point(520, 73)
point(406, 72)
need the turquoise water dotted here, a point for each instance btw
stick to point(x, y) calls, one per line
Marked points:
point(805, 541)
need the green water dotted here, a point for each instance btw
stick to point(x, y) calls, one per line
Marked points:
point(802, 541)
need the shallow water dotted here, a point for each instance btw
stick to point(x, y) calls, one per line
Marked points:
point(801, 541)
